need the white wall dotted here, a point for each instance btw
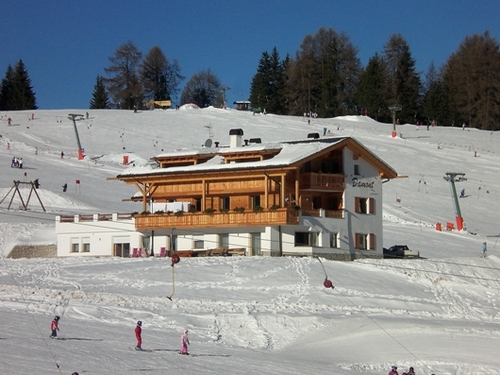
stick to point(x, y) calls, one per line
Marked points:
point(100, 234)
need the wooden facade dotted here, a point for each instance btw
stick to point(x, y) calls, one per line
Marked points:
point(246, 188)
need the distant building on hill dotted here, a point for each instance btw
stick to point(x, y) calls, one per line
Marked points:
point(242, 105)
point(310, 197)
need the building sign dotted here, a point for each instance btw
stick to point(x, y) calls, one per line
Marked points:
point(362, 184)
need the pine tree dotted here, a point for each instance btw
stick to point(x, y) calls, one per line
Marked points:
point(268, 84)
point(16, 92)
point(124, 84)
point(7, 90)
point(404, 86)
point(370, 90)
point(100, 98)
point(436, 106)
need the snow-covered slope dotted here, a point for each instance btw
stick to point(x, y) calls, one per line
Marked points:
point(249, 315)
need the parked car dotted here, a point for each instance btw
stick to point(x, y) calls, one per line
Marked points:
point(400, 251)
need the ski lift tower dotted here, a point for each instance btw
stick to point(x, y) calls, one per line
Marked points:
point(73, 117)
point(394, 108)
point(452, 178)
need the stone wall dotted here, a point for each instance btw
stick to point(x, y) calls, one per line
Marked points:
point(33, 251)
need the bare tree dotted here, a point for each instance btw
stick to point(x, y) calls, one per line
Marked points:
point(160, 78)
point(203, 89)
point(123, 84)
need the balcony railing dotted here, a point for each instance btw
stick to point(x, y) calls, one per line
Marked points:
point(325, 213)
point(280, 216)
point(322, 181)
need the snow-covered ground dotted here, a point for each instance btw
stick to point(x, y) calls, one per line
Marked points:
point(439, 314)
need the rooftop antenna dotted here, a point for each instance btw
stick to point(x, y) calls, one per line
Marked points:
point(209, 127)
point(452, 178)
point(73, 117)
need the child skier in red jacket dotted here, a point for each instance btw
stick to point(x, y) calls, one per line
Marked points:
point(138, 331)
point(54, 326)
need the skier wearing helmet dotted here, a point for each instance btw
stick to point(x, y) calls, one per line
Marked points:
point(54, 326)
point(138, 332)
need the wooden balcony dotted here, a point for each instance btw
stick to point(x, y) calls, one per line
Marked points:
point(281, 216)
point(322, 181)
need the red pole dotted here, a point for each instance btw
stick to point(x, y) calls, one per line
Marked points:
point(460, 222)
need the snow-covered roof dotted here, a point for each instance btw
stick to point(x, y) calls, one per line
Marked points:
point(289, 154)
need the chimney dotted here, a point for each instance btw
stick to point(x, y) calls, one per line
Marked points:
point(235, 137)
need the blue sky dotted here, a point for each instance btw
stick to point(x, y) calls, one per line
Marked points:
point(65, 44)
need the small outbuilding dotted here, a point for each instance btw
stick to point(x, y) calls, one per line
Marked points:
point(242, 105)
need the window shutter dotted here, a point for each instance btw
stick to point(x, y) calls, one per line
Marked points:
point(372, 241)
point(356, 205)
point(372, 205)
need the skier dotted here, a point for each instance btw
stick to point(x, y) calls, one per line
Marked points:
point(62, 154)
point(184, 342)
point(138, 332)
point(36, 183)
point(54, 326)
point(394, 370)
point(9, 121)
point(462, 193)
point(411, 371)
point(484, 248)
point(65, 187)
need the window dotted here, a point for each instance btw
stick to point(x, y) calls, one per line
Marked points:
point(255, 201)
point(121, 250)
point(334, 240)
point(364, 205)
point(75, 245)
point(356, 170)
point(198, 242)
point(86, 245)
point(365, 241)
point(224, 240)
point(306, 238)
point(256, 243)
point(225, 203)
